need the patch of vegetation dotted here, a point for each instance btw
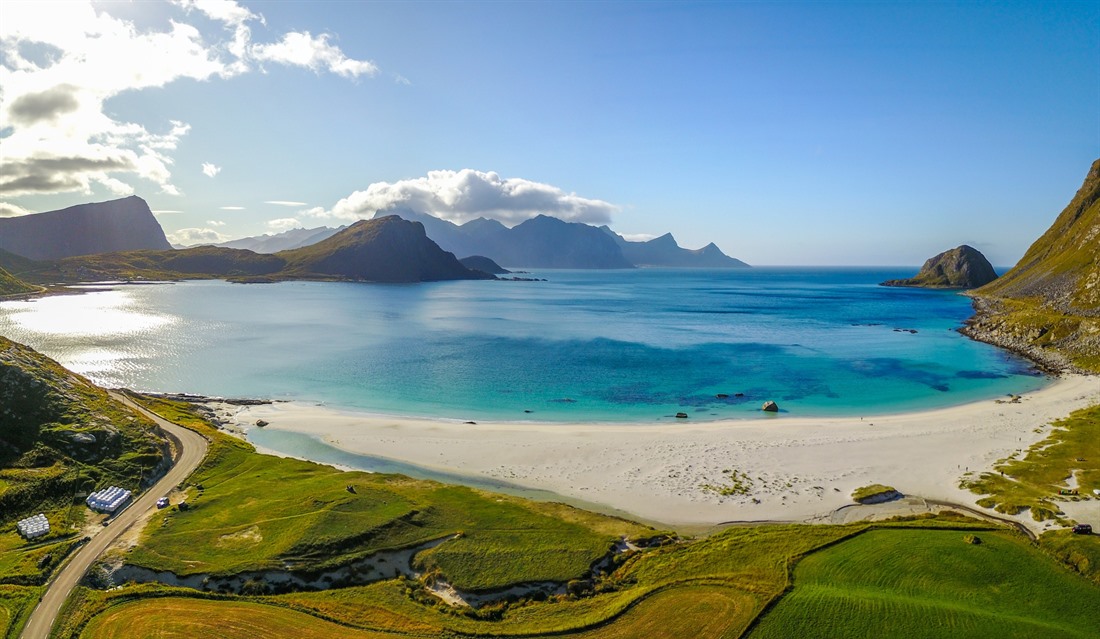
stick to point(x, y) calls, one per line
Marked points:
point(16, 604)
point(11, 285)
point(1080, 552)
point(737, 483)
point(59, 436)
point(874, 492)
point(1073, 446)
point(301, 514)
point(885, 583)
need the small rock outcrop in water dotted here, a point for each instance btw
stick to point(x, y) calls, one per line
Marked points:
point(961, 267)
point(770, 407)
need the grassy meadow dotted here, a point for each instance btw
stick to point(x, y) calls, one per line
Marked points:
point(16, 604)
point(252, 512)
point(931, 583)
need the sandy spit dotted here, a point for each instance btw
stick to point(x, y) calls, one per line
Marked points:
point(790, 468)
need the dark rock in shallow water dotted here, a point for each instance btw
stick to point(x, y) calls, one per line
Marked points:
point(961, 267)
point(681, 415)
point(770, 407)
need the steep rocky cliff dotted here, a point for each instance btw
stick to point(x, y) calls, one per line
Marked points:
point(1048, 305)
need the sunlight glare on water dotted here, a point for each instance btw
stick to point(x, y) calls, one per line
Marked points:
point(106, 314)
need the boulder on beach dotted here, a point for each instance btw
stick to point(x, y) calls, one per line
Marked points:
point(770, 407)
point(260, 423)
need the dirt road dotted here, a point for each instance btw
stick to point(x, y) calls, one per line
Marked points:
point(191, 451)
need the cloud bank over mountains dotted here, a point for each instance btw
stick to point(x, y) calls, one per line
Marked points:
point(60, 64)
point(461, 196)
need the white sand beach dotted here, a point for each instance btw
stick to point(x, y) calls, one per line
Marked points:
point(798, 469)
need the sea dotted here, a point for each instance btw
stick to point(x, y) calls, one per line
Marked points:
point(636, 345)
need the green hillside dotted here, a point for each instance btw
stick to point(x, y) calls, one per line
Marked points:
point(1048, 305)
point(60, 437)
point(386, 249)
point(11, 285)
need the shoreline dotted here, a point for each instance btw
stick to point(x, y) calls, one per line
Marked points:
point(788, 468)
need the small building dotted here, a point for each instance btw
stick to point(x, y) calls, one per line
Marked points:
point(108, 500)
point(33, 527)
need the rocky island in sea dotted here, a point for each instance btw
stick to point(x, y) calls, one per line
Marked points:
point(962, 267)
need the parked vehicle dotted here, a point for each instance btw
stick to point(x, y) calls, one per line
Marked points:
point(1082, 529)
point(162, 502)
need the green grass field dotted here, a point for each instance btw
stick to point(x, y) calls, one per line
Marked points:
point(899, 580)
point(930, 583)
point(16, 603)
point(695, 611)
point(258, 511)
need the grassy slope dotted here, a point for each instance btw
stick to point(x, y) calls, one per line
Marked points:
point(1050, 301)
point(16, 604)
point(11, 285)
point(42, 406)
point(883, 584)
point(301, 513)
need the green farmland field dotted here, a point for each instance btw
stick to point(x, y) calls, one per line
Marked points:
point(930, 583)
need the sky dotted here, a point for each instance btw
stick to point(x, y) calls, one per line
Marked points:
point(788, 133)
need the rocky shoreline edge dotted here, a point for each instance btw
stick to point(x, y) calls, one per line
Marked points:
point(987, 325)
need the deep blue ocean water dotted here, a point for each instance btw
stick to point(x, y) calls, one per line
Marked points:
point(638, 345)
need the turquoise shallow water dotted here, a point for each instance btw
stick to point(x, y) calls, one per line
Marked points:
point(635, 345)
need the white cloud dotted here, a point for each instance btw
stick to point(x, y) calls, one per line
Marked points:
point(210, 170)
point(402, 80)
point(304, 50)
point(285, 203)
point(460, 196)
point(192, 236)
point(12, 210)
point(284, 224)
point(215, 223)
point(165, 212)
point(57, 72)
point(231, 208)
point(638, 237)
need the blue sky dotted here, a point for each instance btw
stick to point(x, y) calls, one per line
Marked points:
point(785, 132)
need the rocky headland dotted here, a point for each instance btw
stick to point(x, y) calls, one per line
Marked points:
point(962, 267)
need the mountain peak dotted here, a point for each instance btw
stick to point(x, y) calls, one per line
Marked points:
point(125, 224)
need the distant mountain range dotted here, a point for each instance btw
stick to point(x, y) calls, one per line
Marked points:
point(85, 229)
point(664, 251)
point(285, 241)
point(386, 249)
point(540, 242)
